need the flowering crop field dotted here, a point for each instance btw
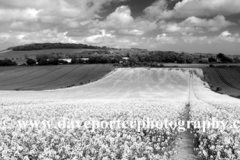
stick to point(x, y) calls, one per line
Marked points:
point(86, 143)
point(50, 124)
point(221, 142)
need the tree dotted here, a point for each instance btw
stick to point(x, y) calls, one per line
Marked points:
point(54, 61)
point(74, 60)
point(42, 59)
point(31, 62)
point(185, 58)
point(116, 59)
point(170, 57)
point(223, 58)
point(189, 58)
point(133, 60)
point(236, 59)
point(212, 59)
point(7, 62)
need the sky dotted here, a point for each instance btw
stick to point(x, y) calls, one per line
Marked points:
point(206, 26)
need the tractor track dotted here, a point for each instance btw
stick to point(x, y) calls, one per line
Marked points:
point(224, 80)
point(38, 69)
point(55, 79)
point(8, 84)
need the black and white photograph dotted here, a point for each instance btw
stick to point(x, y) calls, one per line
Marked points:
point(119, 79)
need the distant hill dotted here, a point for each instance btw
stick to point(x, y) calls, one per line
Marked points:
point(96, 54)
point(20, 56)
point(41, 46)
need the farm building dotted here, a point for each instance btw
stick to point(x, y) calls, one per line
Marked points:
point(85, 59)
point(125, 58)
point(203, 60)
point(69, 60)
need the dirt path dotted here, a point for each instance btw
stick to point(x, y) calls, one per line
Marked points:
point(184, 146)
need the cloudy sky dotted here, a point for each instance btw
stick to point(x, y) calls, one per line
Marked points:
point(178, 25)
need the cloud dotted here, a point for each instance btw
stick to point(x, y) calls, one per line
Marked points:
point(191, 23)
point(186, 8)
point(195, 24)
point(194, 39)
point(54, 12)
point(123, 23)
point(214, 24)
point(71, 16)
point(122, 15)
point(28, 14)
point(43, 36)
point(228, 37)
point(98, 38)
point(222, 38)
point(224, 42)
point(163, 38)
point(47, 35)
point(133, 32)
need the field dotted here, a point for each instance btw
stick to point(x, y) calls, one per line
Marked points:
point(125, 94)
point(226, 78)
point(50, 77)
point(196, 65)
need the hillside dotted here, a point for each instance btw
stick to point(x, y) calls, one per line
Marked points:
point(123, 83)
point(127, 94)
point(20, 56)
point(136, 57)
point(226, 79)
point(50, 77)
point(41, 46)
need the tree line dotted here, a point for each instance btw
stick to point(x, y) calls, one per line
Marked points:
point(96, 54)
point(7, 62)
point(41, 46)
point(131, 58)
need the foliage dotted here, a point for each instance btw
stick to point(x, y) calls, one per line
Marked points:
point(218, 89)
point(223, 58)
point(7, 62)
point(31, 62)
point(40, 46)
point(184, 58)
point(212, 59)
point(211, 65)
point(138, 57)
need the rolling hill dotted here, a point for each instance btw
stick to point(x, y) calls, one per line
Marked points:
point(125, 94)
point(225, 78)
point(19, 56)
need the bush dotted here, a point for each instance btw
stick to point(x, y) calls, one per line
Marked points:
point(7, 62)
point(62, 62)
point(161, 65)
point(31, 62)
point(218, 89)
point(211, 65)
